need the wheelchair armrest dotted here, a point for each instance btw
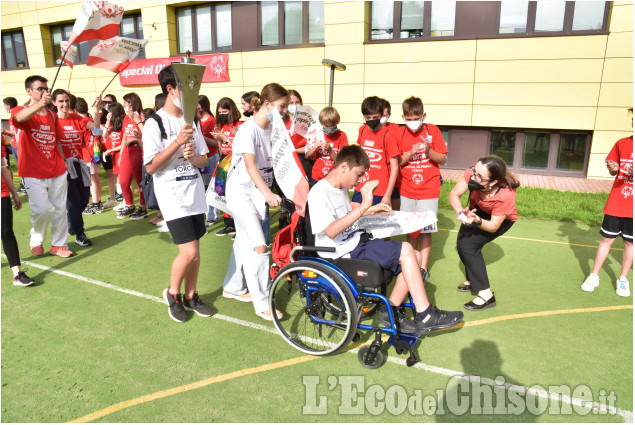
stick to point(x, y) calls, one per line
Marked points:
point(310, 249)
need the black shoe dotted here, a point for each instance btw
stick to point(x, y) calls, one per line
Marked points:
point(89, 210)
point(175, 306)
point(198, 306)
point(464, 288)
point(425, 275)
point(437, 319)
point(229, 230)
point(404, 324)
point(22, 279)
point(126, 212)
point(118, 197)
point(139, 214)
point(487, 304)
point(82, 240)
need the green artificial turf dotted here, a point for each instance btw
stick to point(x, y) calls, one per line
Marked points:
point(70, 348)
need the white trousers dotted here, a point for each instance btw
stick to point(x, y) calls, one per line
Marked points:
point(47, 199)
point(249, 269)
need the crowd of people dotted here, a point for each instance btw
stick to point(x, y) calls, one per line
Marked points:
point(60, 149)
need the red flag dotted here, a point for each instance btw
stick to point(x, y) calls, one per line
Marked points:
point(116, 53)
point(96, 19)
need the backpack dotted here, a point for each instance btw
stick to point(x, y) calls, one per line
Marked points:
point(147, 183)
point(283, 243)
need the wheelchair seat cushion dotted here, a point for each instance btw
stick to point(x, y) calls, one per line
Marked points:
point(365, 273)
point(386, 253)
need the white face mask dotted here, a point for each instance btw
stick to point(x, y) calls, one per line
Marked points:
point(292, 109)
point(177, 102)
point(383, 120)
point(126, 109)
point(413, 125)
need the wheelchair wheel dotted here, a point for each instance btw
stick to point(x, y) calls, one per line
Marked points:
point(309, 324)
point(376, 362)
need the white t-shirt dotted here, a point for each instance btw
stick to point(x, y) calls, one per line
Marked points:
point(178, 185)
point(327, 204)
point(242, 194)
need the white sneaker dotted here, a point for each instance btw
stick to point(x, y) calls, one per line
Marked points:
point(109, 203)
point(163, 228)
point(591, 282)
point(622, 287)
point(161, 223)
point(120, 207)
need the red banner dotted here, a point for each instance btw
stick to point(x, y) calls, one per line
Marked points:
point(146, 71)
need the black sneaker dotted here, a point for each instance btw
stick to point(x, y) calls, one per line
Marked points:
point(198, 306)
point(437, 319)
point(226, 231)
point(125, 212)
point(403, 323)
point(98, 208)
point(118, 197)
point(175, 306)
point(139, 214)
point(425, 275)
point(82, 240)
point(89, 210)
point(22, 280)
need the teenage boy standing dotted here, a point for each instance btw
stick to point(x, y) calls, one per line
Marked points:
point(173, 152)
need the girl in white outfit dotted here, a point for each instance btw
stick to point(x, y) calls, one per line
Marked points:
point(248, 190)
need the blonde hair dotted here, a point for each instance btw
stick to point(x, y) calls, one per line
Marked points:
point(329, 117)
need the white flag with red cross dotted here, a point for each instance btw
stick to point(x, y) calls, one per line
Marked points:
point(69, 55)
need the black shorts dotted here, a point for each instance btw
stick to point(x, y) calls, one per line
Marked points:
point(386, 253)
point(187, 229)
point(612, 227)
point(107, 162)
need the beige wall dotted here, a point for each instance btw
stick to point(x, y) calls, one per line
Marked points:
point(577, 83)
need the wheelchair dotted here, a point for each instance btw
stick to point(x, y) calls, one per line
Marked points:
point(324, 302)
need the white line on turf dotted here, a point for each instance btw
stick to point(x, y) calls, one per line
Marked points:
point(625, 414)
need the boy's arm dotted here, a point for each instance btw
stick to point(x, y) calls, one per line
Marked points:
point(161, 158)
point(406, 156)
point(27, 113)
point(394, 172)
point(365, 208)
point(437, 157)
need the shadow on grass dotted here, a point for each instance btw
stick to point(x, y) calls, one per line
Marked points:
point(476, 401)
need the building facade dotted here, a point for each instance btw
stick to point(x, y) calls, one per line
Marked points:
point(544, 84)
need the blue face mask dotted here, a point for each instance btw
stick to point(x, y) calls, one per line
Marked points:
point(270, 115)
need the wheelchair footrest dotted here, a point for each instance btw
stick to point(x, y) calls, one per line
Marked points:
point(403, 343)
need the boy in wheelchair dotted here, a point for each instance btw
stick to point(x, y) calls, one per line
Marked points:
point(334, 224)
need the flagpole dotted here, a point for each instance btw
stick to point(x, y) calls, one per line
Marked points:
point(113, 79)
point(58, 69)
point(68, 88)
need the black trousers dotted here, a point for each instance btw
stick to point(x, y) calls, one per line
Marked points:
point(9, 243)
point(469, 244)
point(77, 200)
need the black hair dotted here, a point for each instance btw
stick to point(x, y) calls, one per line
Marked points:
point(11, 101)
point(33, 78)
point(167, 77)
point(372, 105)
point(81, 106)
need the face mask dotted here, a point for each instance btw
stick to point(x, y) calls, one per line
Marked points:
point(248, 113)
point(292, 109)
point(372, 123)
point(474, 185)
point(223, 117)
point(330, 130)
point(414, 125)
point(126, 109)
point(270, 115)
point(383, 120)
point(177, 102)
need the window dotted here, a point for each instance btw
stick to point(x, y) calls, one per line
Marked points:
point(536, 150)
point(291, 23)
point(13, 51)
point(503, 143)
point(131, 28)
point(444, 19)
point(61, 33)
point(204, 29)
point(572, 151)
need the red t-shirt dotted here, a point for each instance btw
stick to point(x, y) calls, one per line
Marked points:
point(225, 148)
point(323, 161)
point(38, 154)
point(620, 202)
point(73, 135)
point(129, 126)
point(14, 139)
point(502, 203)
point(420, 176)
point(5, 187)
point(207, 127)
point(114, 139)
point(297, 140)
point(87, 153)
point(380, 146)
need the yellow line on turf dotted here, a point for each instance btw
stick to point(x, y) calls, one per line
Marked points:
point(538, 314)
point(541, 240)
point(193, 386)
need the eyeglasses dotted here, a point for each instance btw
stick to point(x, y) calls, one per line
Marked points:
point(41, 89)
point(106, 102)
point(477, 176)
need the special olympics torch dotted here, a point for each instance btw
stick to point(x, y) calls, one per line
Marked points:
point(189, 76)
